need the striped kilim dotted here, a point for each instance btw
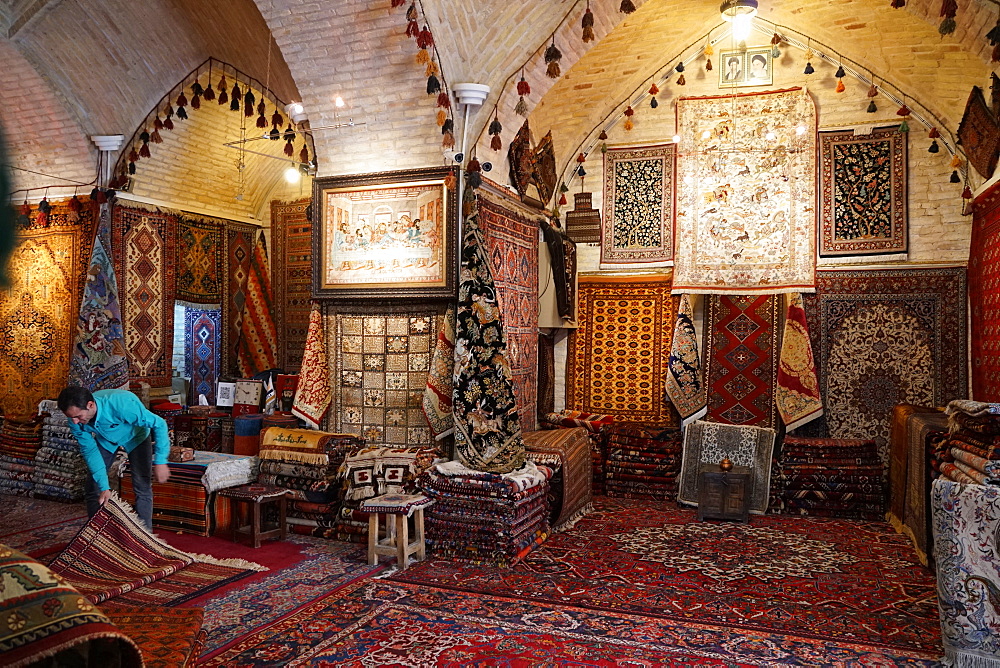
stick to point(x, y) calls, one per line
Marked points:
point(291, 238)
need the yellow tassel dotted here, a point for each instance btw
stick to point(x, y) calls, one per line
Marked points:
point(448, 140)
point(840, 86)
point(423, 57)
point(441, 117)
point(709, 51)
point(432, 68)
point(628, 125)
point(956, 162)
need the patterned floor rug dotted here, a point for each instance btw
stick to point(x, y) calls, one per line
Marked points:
point(836, 580)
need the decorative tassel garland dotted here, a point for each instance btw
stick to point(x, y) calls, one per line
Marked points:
point(933, 148)
point(236, 95)
point(43, 213)
point(433, 85)
point(182, 113)
point(588, 25)
point(904, 126)
point(948, 10)
point(967, 192)
point(903, 111)
point(448, 127)
point(289, 132)
point(209, 93)
point(840, 86)
point(955, 178)
point(628, 125)
point(182, 106)
point(304, 155)
point(431, 68)
point(155, 137)
point(196, 92)
point(144, 138)
point(627, 7)
point(871, 107)
point(277, 119)
point(448, 140)
point(495, 129)
point(168, 122)
point(523, 87)
point(552, 56)
point(809, 68)
point(412, 28)
point(289, 149)
point(603, 136)
point(442, 116)
point(473, 175)
point(223, 90)
point(248, 102)
point(956, 161)
point(933, 134)
point(133, 155)
point(425, 39)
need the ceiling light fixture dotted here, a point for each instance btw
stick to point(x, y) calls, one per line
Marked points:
point(740, 13)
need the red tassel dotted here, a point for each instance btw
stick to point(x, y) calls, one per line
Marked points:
point(629, 111)
point(562, 199)
point(144, 151)
point(277, 119)
point(412, 29)
point(155, 137)
point(157, 124)
point(898, 4)
point(289, 149)
point(443, 100)
point(196, 102)
point(949, 8)
point(653, 90)
point(398, 3)
point(903, 111)
point(209, 93)
point(495, 143)
point(75, 204)
point(182, 100)
point(304, 154)
point(627, 7)
point(933, 134)
point(581, 158)
point(26, 209)
point(133, 155)
point(425, 39)
point(262, 121)
point(523, 88)
point(967, 193)
point(223, 90)
point(168, 124)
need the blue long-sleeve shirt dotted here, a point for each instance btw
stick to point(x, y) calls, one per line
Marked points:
point(121, 421)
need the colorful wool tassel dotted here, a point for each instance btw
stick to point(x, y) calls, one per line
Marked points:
point(840, 73)
point(840, 86)
point(289, 132)
point(44, 208)
point(236, 95)
point(412, 28)
point(433, 85)
point(872, 91)
point(425, 39)
point(443, 100)
point(431, 69)
point(473, 174)
point(523, 87)
point(521, 108)
point(956, 161)
point(904, 126)
point(223, 90)
point(397, 3)
point(681, 81)
point(871, 107)
point(898, 4)
point(277, 119)
point(588, 25)
point(708, 64)
point(133, 155)
point(448, 140)
point(144, 138)
point(653, 103)
point(448, 127)
point(495, 130)
point(168, 122)
point(933, 134)
point(903, 111)
point(955, 178)
point(157, 123)
point(552, 57)
point(654, 89)
point(809, 68)
point(626, 7)
point(209, 93)
point(182, 100)
point(304, 155)
point(131, 167)
point(248, 102)
point(155, 137)
point(967, 192)
point(603, 136)
point(948, 10)
point(628, 125)
point(442, 116)
point(933, 148)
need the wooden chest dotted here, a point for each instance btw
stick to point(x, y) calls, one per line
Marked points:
point(724, 495)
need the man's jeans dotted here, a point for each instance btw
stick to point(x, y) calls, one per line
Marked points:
point(141, 465)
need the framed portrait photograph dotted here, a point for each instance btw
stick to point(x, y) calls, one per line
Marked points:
point(387, 235)
point(752, 67)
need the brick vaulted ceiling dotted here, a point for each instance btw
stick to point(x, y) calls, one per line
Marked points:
point(79, 67)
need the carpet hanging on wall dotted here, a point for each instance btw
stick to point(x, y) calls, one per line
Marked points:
point(143, 248)
point(239, 251)
point(638, 223)
point(202, 329)
point(887, 337)
point(257, 350)
point(746, 223)
point(291, 239)
point(741, 358)
point(984, 296)
point(619, 357)
point(862, 187)
point(313, 394)
point(511, 243)
point(97, 360)
point(200, 259)
point(487, 426)
point(440, 380)
point(40, 306)
point(684, 381)
point(797, 390)
point(378, 372)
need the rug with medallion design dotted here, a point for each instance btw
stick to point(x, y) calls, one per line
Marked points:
point(291, 236)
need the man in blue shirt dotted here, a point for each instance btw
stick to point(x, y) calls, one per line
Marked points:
point(106, 420)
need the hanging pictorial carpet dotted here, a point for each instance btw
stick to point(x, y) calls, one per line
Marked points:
point(143, 249)
point(201, 246)
point(487, 426)
point(746, 216)
point(379, 373)
point(684, 382)
point(619, 357)
point(258, 342)
point(511, 242)
point(862, 184)
point(202, 329)
point(313, 393)
point(884, 338)
point(797, 391)
point(741, 358)
point(291, 238)
point(638, 223)
point(984, 296)
point(97, 360)
point(239, 251)
point(40, 306)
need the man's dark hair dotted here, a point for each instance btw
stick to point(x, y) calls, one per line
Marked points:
point(733, 59)
point(761, 58)
point(74, 396)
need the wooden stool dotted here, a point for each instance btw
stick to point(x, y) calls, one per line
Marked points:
point(256, 495)
point(396, 541)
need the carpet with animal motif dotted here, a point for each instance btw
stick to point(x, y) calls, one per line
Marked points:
point(239, 251)
point(984, 296)
point(40, 306)
point(291, 238)
point(741, 358)
point(684, 381)
point(258, 343)
point(380, 361)
point(638, 223)
point(862, 193)
point(202, 329)
point(746, 216)
point(143, 247)
point(887, 337)
point(511, 243)
point(201, 245)
point(619, 357)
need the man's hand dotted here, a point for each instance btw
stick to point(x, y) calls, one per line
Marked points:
point(161, 472)
point(105, 495)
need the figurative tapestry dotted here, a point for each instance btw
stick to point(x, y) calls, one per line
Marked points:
point(884, 338)
point(638, 222)
point(741, 358)
point(201, 341)
point(979, 134)
point(143, 245)
point(619, 357)
point(379, 372)
point(38, 309)
point(684, 382)
point(487, 426)
point(200, 253)
point(239, 251)
point(862, 185)
point(291, 236)
point(97, 360)
point(511, 243)
point(258, 343)
point(746, 219)
point(984, 296)
point(797, 391)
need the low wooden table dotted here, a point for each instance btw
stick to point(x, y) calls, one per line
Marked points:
point(724, 495)
point(396, 508)
point(254, 496)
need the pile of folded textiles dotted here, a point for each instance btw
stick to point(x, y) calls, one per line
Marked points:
point(971, 454)
point(19, 443)
point(643, 461)
point(306, 462)
point(373, 471)
point(832, 477)
point(594, 423)
point(60, 470)
point(486, 518)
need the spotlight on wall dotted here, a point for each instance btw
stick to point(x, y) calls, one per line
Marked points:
point(292, 175)
point(295, 111)
point(338, 102)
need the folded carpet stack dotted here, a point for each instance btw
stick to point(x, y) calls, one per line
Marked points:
point(19, 443)
point(972, 452)
point(486, 518)
point(60, 471)
point(642, 461)
point(169, 412)
point(832, 477)
point(306, 462)
point(214, 429)
point(594, 423)
point(246, 433)
point(567, 453)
